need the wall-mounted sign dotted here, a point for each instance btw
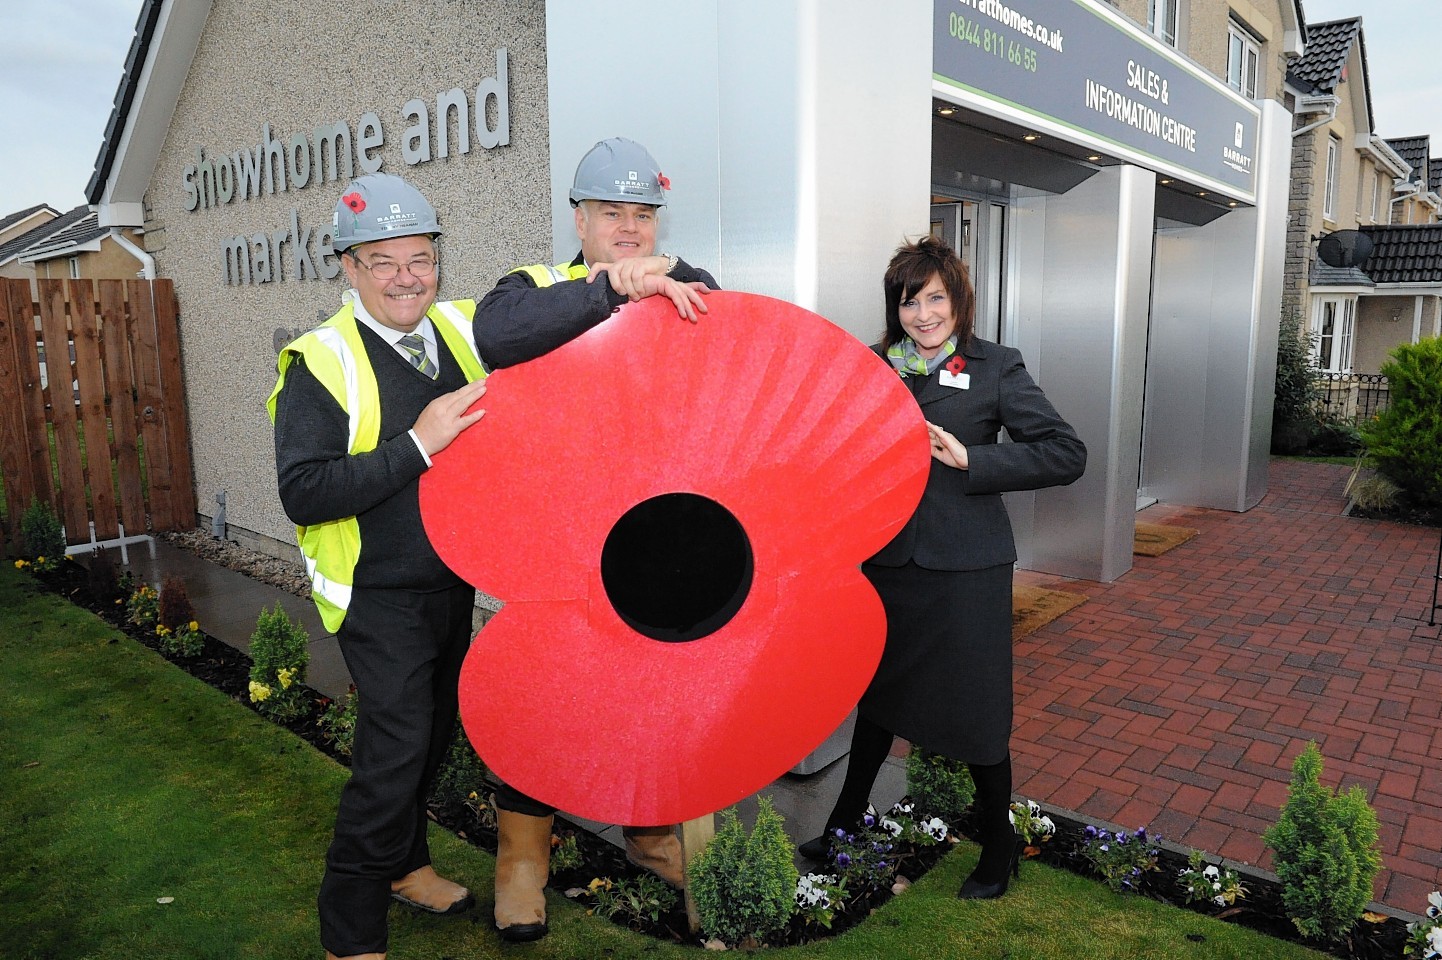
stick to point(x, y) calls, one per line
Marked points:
point(333, 152)
point(1077, 70)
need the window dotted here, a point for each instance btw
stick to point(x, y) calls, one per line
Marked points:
point(1329, 189)
point(74, 268)
point(1162, 20)
point(1332, 330)
point(1243, 55)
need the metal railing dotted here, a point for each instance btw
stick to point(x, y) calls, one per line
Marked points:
point(1353, 398)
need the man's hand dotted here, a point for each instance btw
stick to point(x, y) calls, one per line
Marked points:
point(626, 276)
point(445, 417)
point(946, 448)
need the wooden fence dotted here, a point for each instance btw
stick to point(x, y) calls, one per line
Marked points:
point(92, 408)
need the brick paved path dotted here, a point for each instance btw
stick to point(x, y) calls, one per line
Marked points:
point(1177, 697)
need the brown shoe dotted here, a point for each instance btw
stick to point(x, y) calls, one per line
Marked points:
point(425, 890)
point(656, 849)
point(356, 956)
point(523, 864)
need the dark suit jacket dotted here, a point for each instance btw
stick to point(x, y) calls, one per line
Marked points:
point(961, 523)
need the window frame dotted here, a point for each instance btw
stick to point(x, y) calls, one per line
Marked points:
point(1333, 342)
point(1244, 57)
point(74, 268)
point(1329, 184)
point(1172, 9)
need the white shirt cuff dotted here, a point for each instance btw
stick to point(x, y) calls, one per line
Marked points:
point(425, 456)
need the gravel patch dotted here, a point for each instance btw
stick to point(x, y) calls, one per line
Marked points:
point(288, 575)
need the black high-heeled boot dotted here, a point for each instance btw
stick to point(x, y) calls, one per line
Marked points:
point(1000, 846)
point(980, 885)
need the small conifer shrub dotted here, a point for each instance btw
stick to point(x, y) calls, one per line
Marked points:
point(745, 886)
point(1325, 852)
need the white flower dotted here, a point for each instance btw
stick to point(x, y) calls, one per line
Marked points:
point(1216, 886)
point(902, 808)
point(1047, 826)
point(1211, 870)
point(1435, 899)
point(1034, 807)
point(1220, 901)
point(811, 891)
point(890, 826)
point(935, 828)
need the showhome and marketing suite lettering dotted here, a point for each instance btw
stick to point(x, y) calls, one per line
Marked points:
point(326, 154)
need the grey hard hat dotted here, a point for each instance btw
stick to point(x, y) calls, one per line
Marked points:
point(380, 206)
point(621, 171)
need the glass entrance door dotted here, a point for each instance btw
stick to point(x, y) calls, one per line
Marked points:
point(976, 229)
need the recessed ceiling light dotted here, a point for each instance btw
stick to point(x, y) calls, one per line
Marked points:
point(1095, 156)
point(1163, 182)
point(946, 111)
point(1031, 136)
point(1232, 203)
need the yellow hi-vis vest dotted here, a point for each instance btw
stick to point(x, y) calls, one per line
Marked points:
point(336, 356)
point(543, 275)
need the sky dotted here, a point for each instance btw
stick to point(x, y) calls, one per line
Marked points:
point(58, 84)
point(58, 77)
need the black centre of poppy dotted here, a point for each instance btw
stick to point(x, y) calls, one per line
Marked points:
point(677, 567)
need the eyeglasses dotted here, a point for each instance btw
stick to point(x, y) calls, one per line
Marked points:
point(389, 269)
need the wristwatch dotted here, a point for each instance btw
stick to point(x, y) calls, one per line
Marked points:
point(671, 259)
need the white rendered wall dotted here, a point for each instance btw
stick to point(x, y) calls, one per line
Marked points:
point(797, 136)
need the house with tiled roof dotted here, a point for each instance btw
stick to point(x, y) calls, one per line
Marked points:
point(14, 224)
point(1403, 302)
point(1345, 177)
point(20, 231)
point(1416, 199)
point(84, 249)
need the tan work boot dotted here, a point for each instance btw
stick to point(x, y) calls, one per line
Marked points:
point(523, 863)
point(656, 849)
point(356, 956)
point(426, 890)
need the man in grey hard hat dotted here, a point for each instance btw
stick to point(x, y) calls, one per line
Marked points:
point(361, 404)
point(618, 194)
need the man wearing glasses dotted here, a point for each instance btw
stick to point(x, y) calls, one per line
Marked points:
point(361, 405)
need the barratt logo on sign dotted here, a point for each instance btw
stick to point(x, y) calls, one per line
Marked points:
point(1233, 156)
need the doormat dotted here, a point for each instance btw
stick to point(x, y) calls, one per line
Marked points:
point(1034, 607)
point(1155, 539)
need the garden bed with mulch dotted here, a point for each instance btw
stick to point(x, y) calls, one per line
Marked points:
point(228, 670)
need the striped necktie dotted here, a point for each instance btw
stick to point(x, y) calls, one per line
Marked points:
point(415, 346)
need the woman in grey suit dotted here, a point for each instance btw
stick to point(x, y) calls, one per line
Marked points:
point(944, 682)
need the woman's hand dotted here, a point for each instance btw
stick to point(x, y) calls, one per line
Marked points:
point(946, 448)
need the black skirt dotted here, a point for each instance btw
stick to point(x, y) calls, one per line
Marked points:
point(944, 682)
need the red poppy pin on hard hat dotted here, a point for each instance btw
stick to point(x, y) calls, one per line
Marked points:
point(673, 516)
point(355, 201)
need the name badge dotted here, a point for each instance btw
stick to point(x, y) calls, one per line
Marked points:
point(960, 381)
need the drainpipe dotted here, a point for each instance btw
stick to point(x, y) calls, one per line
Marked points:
point(147, 270)
point(1308, 105)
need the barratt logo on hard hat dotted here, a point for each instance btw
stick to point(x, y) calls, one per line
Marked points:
point(397, 219)
point(634, 184)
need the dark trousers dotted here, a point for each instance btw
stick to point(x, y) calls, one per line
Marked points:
point(404, 651)
point(509, 798)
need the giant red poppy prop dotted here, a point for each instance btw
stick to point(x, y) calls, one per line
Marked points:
point(673, 515)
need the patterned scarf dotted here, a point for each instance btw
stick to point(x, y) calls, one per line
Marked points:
point(906, 359)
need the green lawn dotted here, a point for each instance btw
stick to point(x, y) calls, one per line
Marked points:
point(124, 781)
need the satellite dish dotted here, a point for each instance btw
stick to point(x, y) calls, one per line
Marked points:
point(1345, 248)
